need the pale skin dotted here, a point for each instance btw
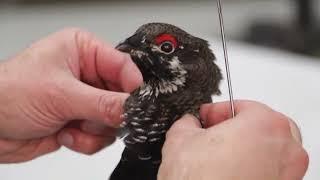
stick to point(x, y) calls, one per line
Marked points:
point(68, 90)
point(51, 95)
point(259, 143)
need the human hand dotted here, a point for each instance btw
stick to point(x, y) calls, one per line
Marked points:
point(52, 94)
point(259, 143)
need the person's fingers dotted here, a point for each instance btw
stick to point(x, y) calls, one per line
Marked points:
point(21, 151)
point(212, 114)
point(89, 103)
point(254, 113)
point(101, 62)
point(294, 162)
point(89, 59)
point(44, 146)
point(215, 113)
point(93, 62)
point(185, 126)
point(96, 128)
point(187, 121)
point(295, 131)
point(82, 142)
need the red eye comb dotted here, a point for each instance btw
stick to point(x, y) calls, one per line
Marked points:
point(166, 37)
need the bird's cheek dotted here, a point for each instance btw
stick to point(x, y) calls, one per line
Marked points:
point(137, 60)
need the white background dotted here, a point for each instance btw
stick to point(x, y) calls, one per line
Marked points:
point(287, 82)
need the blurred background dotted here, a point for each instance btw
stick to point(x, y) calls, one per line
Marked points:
point(274, 48)
point(283, 24)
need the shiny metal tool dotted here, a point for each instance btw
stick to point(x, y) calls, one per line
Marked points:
point(225, 51)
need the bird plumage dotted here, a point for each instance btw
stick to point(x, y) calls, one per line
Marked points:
point(179, 75)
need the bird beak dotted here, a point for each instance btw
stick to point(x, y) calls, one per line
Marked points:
point(129, 44)
point(124, 47)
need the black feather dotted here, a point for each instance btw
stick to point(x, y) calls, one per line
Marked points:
point(175, 84)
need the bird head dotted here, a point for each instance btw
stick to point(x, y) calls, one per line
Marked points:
point(166, 53)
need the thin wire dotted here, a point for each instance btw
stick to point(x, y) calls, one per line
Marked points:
point(226, 59)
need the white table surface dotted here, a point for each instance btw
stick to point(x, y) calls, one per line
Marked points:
point(284, 81)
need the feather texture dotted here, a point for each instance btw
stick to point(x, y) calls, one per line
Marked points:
point(176, 82)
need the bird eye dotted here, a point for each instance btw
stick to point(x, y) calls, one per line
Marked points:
point(167, 47)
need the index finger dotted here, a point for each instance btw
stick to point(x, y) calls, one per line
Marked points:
point(101, 62)
point(117, 69)
point(215, 113)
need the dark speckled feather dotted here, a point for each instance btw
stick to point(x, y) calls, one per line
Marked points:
point(179, 75)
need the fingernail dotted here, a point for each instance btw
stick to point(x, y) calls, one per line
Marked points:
point(295, 131)
point(66, 139)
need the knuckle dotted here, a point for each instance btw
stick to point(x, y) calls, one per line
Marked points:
point(89, 147)
point(299, 160)
point(73, 33)
point(277, 124)
point(56, 100)
point(280, 121)
point(110, 107)
point(89, 152)
point(304, 159)
point(81, 38)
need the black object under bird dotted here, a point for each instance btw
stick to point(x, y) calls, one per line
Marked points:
point(179, 75)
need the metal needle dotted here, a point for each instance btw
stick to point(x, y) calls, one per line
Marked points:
point(224, 44)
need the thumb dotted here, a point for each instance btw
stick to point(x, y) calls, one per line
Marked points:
point(186, 127)
point(185, 124)
point(188, 121)
point(89, 103)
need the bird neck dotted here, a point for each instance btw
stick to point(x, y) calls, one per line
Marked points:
point(163, 81)
point(156, 87)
